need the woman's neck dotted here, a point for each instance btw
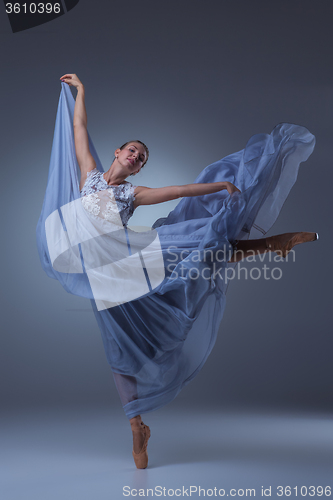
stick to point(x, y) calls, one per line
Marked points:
point(114, 176)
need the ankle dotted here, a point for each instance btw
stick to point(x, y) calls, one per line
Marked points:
point(136, 423)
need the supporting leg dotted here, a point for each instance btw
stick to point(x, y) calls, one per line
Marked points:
point(141, 434)
point(126, 386)
point(138, 433)
point(127, 389)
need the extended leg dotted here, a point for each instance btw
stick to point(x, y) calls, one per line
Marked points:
point(247, 248)
point(281, 244)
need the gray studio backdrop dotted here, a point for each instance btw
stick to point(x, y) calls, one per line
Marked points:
point(194, 80)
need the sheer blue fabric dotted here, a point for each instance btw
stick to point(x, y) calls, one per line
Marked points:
point(158, 342)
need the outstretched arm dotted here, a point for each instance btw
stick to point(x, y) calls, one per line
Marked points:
point(151, 196)
point(84, 157)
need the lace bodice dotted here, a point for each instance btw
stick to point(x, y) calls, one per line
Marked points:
point(113, 203)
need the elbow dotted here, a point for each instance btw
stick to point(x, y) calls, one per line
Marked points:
point(78, 123)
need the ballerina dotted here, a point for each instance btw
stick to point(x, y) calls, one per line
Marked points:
point(129, 159)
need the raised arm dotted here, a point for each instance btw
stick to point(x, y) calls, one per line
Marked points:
point(84, 157)
point(151, 196)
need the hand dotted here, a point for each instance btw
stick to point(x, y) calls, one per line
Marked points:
point(231, 188)
point(72, 80)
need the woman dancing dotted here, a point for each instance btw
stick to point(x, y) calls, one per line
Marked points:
point(158, 342)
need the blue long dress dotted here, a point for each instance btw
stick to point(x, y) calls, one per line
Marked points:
point(158, 341)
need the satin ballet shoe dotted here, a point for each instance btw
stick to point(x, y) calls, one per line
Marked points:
point(141, 458)
point(283, 243)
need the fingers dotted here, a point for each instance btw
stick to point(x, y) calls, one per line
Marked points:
point(233, 189)
point(67, 75)
point(71, 79)
point(66, 78)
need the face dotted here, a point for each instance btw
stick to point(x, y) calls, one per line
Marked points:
point(132, 157)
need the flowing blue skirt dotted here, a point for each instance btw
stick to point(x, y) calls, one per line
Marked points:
point(157, 343)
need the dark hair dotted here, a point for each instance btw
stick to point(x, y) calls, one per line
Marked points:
point(143, 144)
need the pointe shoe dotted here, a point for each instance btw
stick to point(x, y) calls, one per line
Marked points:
point(283, 243)
point(141, 458)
